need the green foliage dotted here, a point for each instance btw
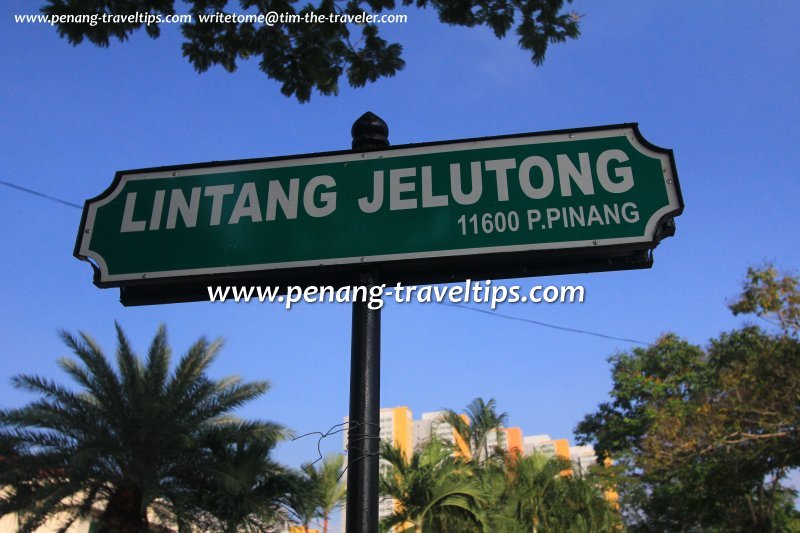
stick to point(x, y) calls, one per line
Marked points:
point(302, 501)
point(245, 487)
point(138, 438)
point(587, 506)
point(543, 494)
point(306, 56)
point(666, 374)
point(331, 491)
point(535, 492)
point(703, 437)
point(436, 491)
point(521, 493)
point(773, 298)
point(430, 488)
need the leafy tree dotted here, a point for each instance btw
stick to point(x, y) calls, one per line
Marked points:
point(331, 490)
point(482, 420)
point(132, 441)
point(742, 429)
point(431, 488)
point(704, 436)
point(306, 56)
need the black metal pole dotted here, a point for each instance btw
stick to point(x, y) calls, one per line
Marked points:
point(364, 428)
point(363, 435)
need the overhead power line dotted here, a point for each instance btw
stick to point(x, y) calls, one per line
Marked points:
point(40, 194)
point(546, 325)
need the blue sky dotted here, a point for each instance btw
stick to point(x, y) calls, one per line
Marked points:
point(716, 83)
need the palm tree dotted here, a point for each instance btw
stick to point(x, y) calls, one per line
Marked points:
point(331, 490)
point(430, 488)
point(131, 441)
point(535, 495)
point(482, 420)
point(587, 507)
point(302, 501)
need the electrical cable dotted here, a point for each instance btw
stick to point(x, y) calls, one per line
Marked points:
point(546, 325)
point(40, 194)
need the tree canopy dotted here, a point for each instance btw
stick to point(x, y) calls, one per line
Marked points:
point(307, 56)
point(703, 437)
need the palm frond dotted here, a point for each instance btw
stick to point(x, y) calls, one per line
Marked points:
point(130, 367)
point(157, 364)
point(107, 388)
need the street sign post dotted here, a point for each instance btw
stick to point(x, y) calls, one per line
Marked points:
point(581, 200)
point(577, 200)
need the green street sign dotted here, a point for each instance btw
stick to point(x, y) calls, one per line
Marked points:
point(554, 194)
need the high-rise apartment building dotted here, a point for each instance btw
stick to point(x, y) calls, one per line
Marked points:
point(507, 439)
point(397, 428)
point(546, 445)
point(582, 458)
point(432, 424)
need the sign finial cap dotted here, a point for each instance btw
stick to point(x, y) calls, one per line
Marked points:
point(370, 132)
